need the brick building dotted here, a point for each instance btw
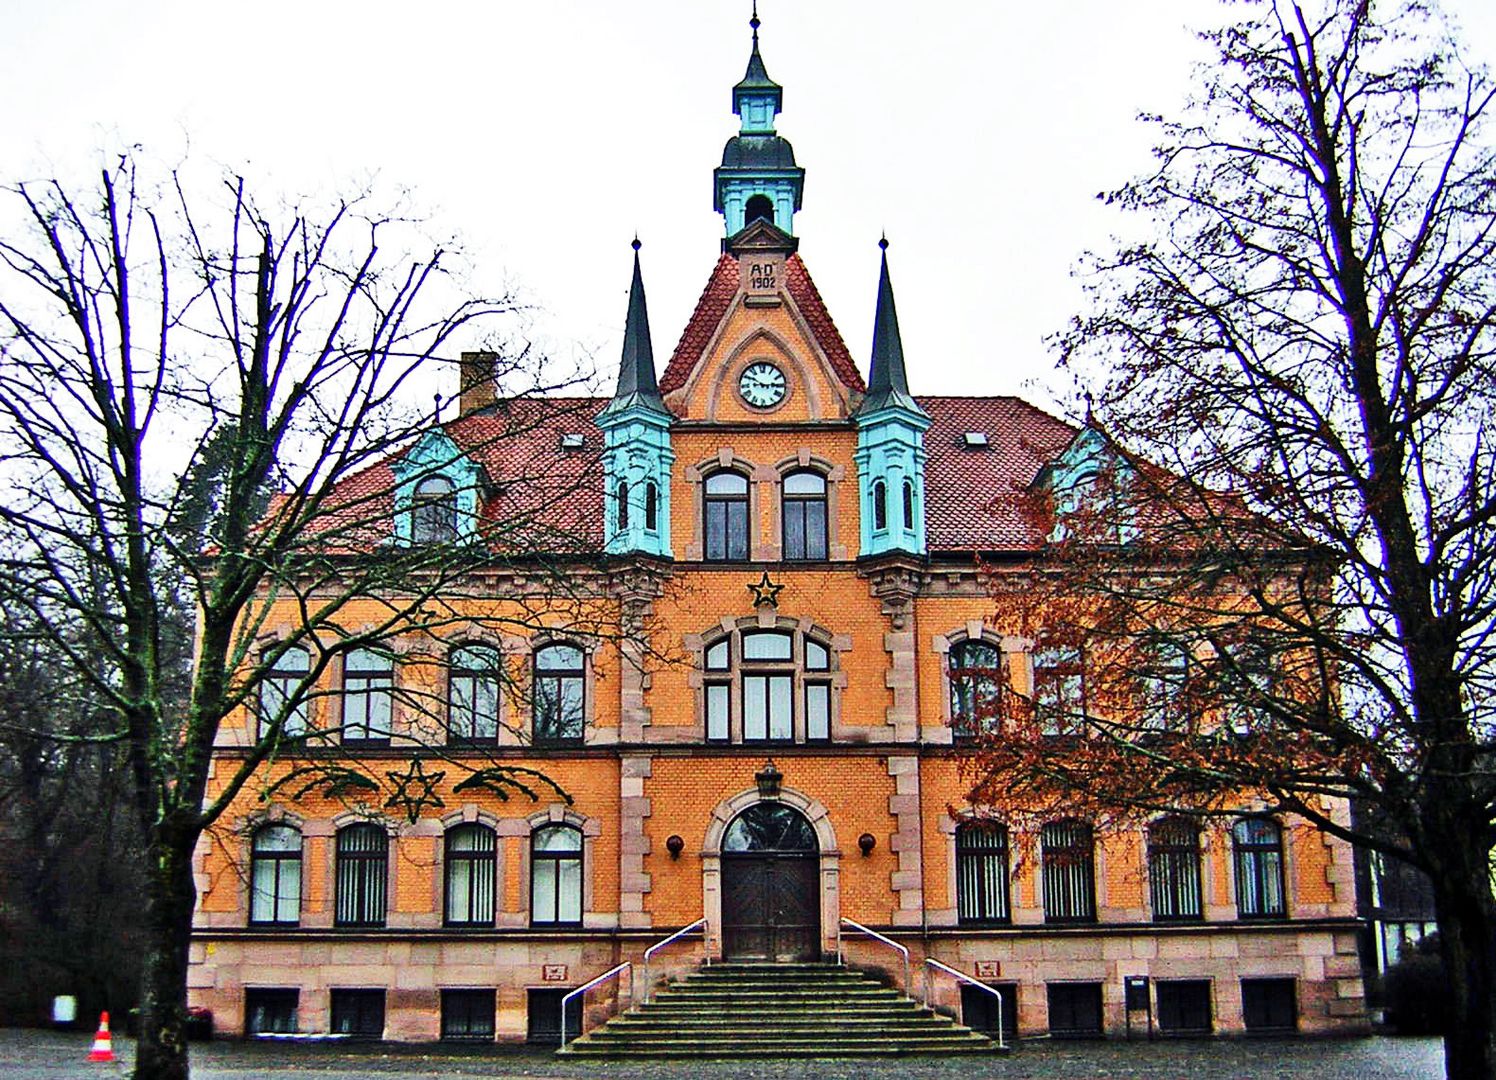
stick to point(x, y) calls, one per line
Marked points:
point(801, 547)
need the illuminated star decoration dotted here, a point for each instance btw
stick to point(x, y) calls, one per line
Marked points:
point(406, 793)
point(765, 591)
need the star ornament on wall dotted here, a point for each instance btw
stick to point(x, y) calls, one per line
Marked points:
point(415, 790)
point(765, 591)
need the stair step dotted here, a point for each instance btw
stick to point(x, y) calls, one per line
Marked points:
point(778, 1011)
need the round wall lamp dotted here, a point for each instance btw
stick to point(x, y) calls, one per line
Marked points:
point(675, 845)
point(866, 842)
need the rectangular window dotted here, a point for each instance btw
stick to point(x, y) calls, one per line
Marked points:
point(718, 709)
point(368, 698)
point(1059, 689)
point(768, 708)
point(1269, 1005)
point(982, 875)
point(979, 1010)
point(270, 1011)
point(817, 712)
point(1074, 1010)
point(727, 530)
point(1184, 1006)
point(468, 1015)
point(358, 1013)
point(556, 891)
point(544, 1021)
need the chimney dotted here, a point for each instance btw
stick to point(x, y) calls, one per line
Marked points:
point(477, 388)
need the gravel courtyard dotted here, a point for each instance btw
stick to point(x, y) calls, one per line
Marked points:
point(39, 1055)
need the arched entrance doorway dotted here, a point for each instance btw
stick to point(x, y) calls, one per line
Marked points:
point(771, 905)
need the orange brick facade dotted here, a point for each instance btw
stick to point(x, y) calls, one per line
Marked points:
point(653, 794)
point(889, 771)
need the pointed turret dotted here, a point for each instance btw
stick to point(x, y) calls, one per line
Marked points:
point(758, 179)
point(636, 442)
point(888, 382)
point(636, 371)
point(890, 440)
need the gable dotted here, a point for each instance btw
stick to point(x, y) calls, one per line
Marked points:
point(760, 305)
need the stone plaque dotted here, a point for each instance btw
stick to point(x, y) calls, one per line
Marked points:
point(989, 969)
point(553, 972)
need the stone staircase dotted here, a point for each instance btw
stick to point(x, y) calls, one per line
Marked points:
point(778, 1011)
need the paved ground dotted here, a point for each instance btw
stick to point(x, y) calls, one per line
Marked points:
point(36, 1055)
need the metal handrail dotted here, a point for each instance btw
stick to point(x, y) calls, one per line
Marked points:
point(878, 937)
point(658, 945)
point(994, 991)
point(604, 977)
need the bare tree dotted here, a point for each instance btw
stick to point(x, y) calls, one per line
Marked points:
point(1306, 335)
point(202, 404)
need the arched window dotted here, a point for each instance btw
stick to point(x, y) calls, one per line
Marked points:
point(560, 695)
point(775, 673)
point(1068, 867)
point(275, 875)
point(623, 506)
point(1174, 870)
point(473, 679)
point(470, 872)
point(804, 514)
point(769, 826)
point(434, 511)
point(759, 208)
point(556, 876)
point(368, 698)
point(982, 873)
point(1257, 850)
point(651, 507)
point(725, 517)
point(880, 506)
point(909, 505)
point(976, 677)
point(281, 684)
point(363, 862)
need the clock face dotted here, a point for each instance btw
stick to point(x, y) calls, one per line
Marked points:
point(762, 385)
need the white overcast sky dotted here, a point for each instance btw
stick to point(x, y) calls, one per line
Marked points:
point(546, 132)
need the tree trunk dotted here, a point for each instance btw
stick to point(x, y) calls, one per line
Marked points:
point(1467, 937)
point(170, 896)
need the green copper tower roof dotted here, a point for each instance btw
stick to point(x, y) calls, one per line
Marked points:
point(758, 177)
point(888, 382)
point(636, 371)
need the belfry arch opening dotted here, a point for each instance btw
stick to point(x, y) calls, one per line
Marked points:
point(760, 207)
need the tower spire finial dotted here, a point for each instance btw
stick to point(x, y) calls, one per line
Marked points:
point(753, 22)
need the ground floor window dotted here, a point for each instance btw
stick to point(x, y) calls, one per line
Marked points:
point(979, 1009)
point(358, 1013)
point(1074, 1010)
point(1184, 1006)
point(1269, 1005)
point(467, 1014)
point(270, 1011)
point(545, 1016)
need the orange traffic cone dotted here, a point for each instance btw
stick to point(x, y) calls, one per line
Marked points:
point(103, 1044)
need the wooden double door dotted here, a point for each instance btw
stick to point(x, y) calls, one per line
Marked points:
point(771, 886)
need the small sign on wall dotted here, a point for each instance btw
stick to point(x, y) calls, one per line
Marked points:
point(553, 972)
point(989, 969)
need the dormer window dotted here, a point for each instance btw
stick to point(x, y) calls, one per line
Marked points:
point(434, 511)
point(573, 440)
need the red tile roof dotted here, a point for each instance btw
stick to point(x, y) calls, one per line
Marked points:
point(551, 499)
point(971, 495)
point(716, 298)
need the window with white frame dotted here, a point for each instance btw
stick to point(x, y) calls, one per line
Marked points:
point(767, 685)
point(560, 695)
point(1257, 854)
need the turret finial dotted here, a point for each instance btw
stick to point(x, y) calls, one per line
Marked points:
point(636, 245)
point(753, 22)
point(883, 242)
